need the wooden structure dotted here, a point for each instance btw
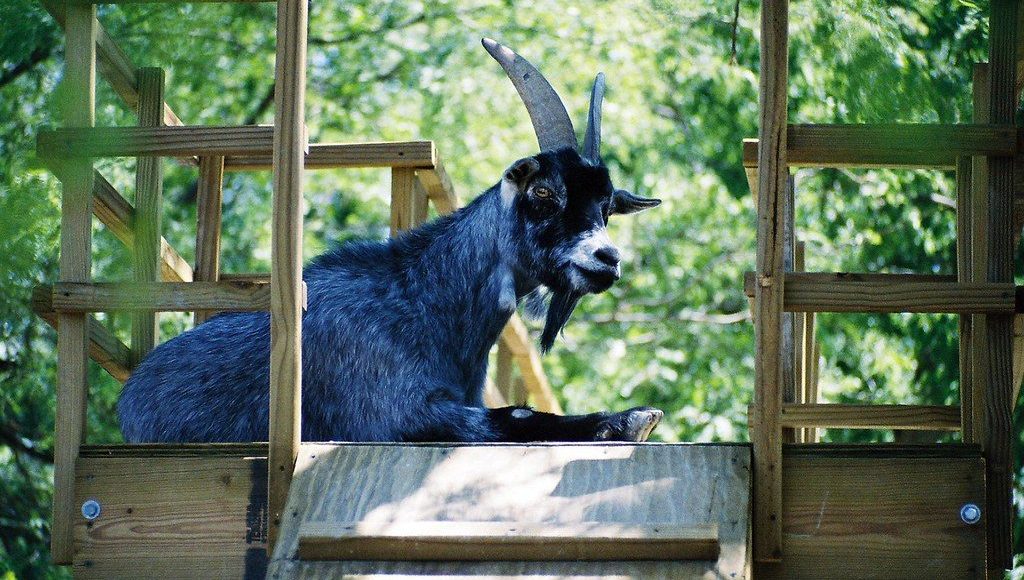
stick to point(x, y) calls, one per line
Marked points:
point(288, 509)
point(982, 293)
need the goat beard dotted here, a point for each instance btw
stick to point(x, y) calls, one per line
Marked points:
point(559, 309)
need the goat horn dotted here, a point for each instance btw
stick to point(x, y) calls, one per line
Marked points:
point(551, 122)
point(592, 141)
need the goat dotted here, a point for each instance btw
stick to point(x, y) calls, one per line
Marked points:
point(396, 335)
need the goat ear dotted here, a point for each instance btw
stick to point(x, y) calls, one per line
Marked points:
point(624, 202)
point(520, 171)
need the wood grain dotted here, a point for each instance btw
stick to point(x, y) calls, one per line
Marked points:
point(996, 442)
point(149, 179)
point(772, 164)
point(964, 274)
point(537, 485)
point(409, 154)
point(286, 254)
point(901, 145)
point(855, 292)
point(506, 542)
point(979, 253)
point(175, 513)
point(160, 296)
point(883, 518)
point(402, 199)
point(845, 416)
point(209, 204)
point(157, 141)
point(78, 89)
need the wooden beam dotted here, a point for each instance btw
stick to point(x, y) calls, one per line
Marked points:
point(963, 275)
point(893, 145)
point(439, 187)
point(414, 154)
point(160, 296)
point(916, 417)
point(78, 92)
point(506, 541)
point(156, 141)
point(286, 255)
point(149, 179)
point(110, 353)
point(996, 441)
point(978, 246)
point(788, 347)
point(850, 292)
point(208, 223)
point(772, 164)
point(402, 199)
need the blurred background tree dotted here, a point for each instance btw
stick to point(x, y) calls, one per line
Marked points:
point(674, 333)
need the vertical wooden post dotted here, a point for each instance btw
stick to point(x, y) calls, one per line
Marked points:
point(789, 376)
point(79, 90)
point(148, 202)
point(286, 256)
point(209, 200)
point(996, 438)
point(800, 352)
point(403, 199)
point(978, 246)
point(963, 274)
point(772, 173)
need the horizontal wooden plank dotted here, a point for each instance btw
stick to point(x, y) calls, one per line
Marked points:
point(892, 145)
point(506, 541)
point(110, 354)
point(171, 516)
point(160, 296)
point(414, 154)
point(154, 450)
point(851, 292)
point(157, 141)
point(879, 517)
point(919, 417)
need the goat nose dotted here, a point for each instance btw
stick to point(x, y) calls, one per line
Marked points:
point(608, 255)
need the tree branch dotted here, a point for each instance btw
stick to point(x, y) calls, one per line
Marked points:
point(10, 437)
point(38, 55)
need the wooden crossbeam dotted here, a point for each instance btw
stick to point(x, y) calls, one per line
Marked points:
point(110, 353)
point(504, 541)
point(160, 296)
point(157, 141)
point(918, 417)
point(412, 154)
point(847, 292)
point(895, 145)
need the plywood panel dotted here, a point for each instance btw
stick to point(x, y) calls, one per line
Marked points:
point(172, 514)
point(867, 515)
point(533, 484)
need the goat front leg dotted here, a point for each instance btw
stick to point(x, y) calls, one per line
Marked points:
point(522, 424)
point(449, 421)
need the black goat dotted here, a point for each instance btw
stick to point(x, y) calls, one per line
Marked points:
point(396, 335)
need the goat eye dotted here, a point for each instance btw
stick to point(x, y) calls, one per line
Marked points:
point(542, 193)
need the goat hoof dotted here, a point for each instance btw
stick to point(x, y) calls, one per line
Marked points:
point(634, 425)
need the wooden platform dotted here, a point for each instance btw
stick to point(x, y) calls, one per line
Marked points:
point(850, 512)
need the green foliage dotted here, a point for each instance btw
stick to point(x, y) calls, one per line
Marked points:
point(682, 95)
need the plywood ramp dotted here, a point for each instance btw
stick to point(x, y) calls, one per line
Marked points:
point(682, 486)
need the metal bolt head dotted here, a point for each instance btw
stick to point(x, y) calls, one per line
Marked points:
point(970, 513)
point(90, 509)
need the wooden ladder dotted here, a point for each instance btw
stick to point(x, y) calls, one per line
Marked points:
point(983, 293)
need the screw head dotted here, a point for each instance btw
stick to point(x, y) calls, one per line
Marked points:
point(970, 513)
point(90, 509)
